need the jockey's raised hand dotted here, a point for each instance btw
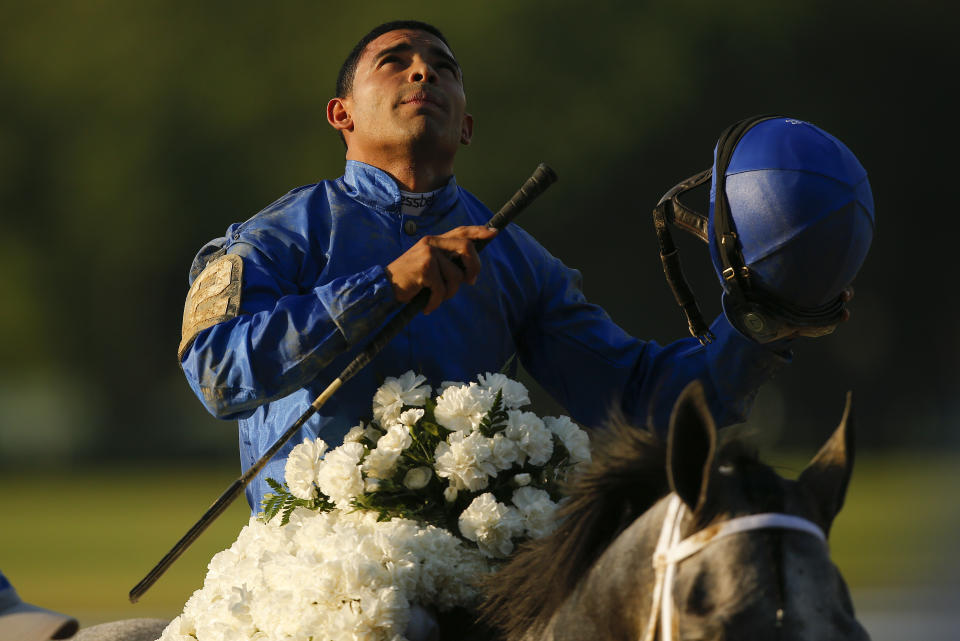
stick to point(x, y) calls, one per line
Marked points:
point(433, 263)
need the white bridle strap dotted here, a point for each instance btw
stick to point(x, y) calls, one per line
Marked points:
point(769, 520)
point(670, 551)
point(668, 538)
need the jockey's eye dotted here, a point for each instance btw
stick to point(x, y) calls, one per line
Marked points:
point(386, 60)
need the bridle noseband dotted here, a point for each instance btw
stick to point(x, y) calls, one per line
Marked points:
point(671, 550)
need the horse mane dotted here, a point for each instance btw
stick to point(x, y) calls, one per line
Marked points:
point(626, 476)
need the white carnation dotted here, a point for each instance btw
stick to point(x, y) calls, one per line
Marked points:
point(522, 479)
point(505, 452)
point(302, 466)
point(339, 475)
point(356, 434)
point(411, 417)
point(528, 431)
point(445, 384)
point(450, 494)
point(538, 511)
point(390, 398)
point(462, 408)
point(417, 478)
point(466, 460)
point(492, 525)
point(515, 394)
point(382, 461)
point(396, 439)
point(573, 438)
point(328, 575)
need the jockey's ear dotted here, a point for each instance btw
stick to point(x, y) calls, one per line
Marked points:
point(691, 443)
point(824, 481)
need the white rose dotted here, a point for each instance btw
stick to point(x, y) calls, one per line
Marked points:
point(461, 409)
point(573, 438)
point(538, 511)
point(528, 431)
point(515, 394)
point(302, 467)
point(492, 525)
point(417, 477)
point(390, 398)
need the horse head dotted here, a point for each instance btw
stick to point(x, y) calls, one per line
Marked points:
point(688, 540)
point(774, 580)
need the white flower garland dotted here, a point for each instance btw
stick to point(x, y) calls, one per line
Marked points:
point(474, 474)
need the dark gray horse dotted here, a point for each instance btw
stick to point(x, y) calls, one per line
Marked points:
point(740, 553)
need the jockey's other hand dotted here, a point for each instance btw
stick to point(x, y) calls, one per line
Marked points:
point(846, 296)
point(814, 331)
point(441, 263)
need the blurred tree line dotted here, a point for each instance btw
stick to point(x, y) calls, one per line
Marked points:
point(131, 133)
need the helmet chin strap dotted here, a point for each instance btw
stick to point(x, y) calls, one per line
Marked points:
point(671, 550)
point(754, 311)
point(670, 209)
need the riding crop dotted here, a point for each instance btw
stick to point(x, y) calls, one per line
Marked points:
point(542, 178)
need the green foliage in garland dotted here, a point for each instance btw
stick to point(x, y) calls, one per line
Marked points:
point(496, 418)
point(282, 502)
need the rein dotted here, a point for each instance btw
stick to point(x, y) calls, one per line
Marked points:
point(671, 550)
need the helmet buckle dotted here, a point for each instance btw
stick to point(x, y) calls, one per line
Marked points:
point(730, 273)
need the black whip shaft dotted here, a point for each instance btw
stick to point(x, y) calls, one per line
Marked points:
point(535, 185)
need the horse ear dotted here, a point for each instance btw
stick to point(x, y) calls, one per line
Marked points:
point(691, 442)
point(826, 476)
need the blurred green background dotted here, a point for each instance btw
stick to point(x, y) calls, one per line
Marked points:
point(132, 133)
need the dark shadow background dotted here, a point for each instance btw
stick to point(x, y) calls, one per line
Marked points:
point(131, 133)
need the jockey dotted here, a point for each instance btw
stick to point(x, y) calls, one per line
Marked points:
point(282, 302)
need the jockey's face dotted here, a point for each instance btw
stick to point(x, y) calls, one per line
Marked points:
point(407, 92)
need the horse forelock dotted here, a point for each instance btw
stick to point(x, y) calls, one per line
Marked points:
point(626, 476)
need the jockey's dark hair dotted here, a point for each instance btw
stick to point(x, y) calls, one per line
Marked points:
point(348, 69)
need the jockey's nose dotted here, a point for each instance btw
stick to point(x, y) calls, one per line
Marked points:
point(421, 71)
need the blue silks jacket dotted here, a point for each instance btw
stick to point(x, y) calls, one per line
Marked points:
point(315, 291)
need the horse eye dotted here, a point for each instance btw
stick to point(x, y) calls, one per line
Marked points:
point(698, 599)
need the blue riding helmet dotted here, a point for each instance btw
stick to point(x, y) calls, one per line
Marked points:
point(788, 233)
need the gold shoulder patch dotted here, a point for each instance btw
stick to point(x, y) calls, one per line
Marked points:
point(213, 298)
